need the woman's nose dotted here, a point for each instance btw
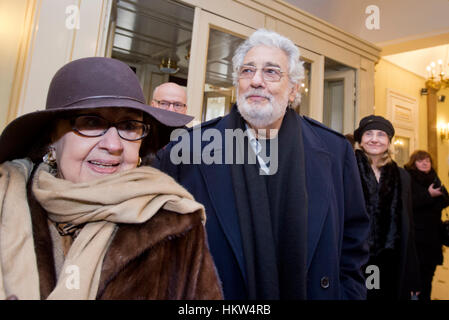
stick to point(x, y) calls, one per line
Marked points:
point(111, 141)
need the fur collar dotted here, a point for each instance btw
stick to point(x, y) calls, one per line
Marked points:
point(133, 240)
point(383, 203)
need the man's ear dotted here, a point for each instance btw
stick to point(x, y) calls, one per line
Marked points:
point(293, 92)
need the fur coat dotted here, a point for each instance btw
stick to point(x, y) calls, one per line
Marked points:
point(165, 258)
point(392, 244)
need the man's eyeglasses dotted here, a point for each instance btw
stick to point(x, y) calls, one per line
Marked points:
point(271, 74)
point(178, 106)
point(96, 126)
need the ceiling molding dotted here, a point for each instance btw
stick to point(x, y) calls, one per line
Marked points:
point(317, 27)
point(414, 44)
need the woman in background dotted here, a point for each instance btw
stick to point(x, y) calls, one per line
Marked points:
point(429, 199)
point(388, 202)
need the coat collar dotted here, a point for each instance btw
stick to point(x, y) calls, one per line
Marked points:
point(224, 206)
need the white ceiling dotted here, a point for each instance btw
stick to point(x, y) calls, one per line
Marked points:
point(416, 31)
point(400, 20)
point(416, 61)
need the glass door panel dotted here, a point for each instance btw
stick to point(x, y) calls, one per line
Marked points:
point(304, 107)
point(219, 91)
point(339, 98)
point(401, 150)
point(312, 86)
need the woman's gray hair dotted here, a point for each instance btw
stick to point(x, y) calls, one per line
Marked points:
point(263, 37)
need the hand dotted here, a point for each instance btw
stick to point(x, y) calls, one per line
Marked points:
point(434, 192)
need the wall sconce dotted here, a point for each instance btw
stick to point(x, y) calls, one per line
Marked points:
point(443, 130)
point(398, 142)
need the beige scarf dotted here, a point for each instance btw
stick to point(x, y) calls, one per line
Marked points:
point(132, 196)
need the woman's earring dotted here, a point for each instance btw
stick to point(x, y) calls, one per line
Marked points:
point(50, 157)
point(139, 162)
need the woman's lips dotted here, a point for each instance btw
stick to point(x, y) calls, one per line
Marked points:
point(103, 167)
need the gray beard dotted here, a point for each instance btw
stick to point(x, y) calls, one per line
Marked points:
point(261, 116)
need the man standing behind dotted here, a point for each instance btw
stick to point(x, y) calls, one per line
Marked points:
point(170, 96)
point(297, 231)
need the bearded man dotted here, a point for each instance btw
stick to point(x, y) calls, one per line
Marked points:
point(292, 224)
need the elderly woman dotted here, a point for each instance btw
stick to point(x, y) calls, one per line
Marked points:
point(388, 202)
point(79, 218)
point(428, 201)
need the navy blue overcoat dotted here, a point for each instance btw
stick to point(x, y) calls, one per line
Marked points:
point(337, 227)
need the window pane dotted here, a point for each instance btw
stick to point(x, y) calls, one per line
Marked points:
point(304, 89)
point(219, 92)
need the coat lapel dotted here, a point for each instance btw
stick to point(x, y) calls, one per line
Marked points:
point(318, 185)
point(217, 178)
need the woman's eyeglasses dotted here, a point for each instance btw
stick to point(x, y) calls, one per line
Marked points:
point(96, 126)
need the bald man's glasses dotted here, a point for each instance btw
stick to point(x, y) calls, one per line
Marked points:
point(178, 106)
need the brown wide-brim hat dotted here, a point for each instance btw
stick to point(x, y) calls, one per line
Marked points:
point(83, 84)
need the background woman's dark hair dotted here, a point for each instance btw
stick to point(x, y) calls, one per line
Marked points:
point(417, 155)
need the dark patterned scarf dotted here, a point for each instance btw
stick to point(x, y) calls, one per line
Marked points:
point(272, 213)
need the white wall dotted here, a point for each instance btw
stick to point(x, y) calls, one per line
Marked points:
point(58, 40)
point(12, 34)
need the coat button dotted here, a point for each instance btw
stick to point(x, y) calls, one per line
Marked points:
point(324, 282)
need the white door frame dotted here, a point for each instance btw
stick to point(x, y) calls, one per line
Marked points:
point(402, 111)
point(348, 77)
